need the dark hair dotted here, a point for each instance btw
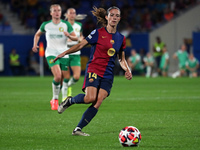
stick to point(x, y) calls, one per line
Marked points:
point(100, 13)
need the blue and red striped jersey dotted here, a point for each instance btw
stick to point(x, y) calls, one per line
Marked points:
point(104, 50)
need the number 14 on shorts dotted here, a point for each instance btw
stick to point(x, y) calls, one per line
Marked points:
point(92, 75)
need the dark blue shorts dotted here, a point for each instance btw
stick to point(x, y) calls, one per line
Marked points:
point(92, 79)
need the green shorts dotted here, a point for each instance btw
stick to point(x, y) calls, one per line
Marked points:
point(62, 62)
point(182, 67)
point(74, 60)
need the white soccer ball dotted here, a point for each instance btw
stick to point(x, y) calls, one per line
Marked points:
point(129, 136)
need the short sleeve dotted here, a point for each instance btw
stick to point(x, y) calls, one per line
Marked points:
point(138, 57)
point(80, 24)
point(92, 37)
point(69, 27)
point(167, 56)
point(42, 29)
point(124, 43)
point(177, 53)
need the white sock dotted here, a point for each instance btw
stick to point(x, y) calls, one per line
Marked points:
point(176, 74)
point(148, 74)
point(64, 90)
point(71, 81)
point(56, 90)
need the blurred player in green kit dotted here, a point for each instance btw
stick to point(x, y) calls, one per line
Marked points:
point(74, 58)
point(164, 64)
point(192, 65)
point(182, 57)
point(57, 32)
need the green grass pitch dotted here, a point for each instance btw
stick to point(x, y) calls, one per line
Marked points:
point(165, 110)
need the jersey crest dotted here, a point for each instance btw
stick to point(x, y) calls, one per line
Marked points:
point(61, 29)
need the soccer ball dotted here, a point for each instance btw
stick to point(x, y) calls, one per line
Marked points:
point(129, 136)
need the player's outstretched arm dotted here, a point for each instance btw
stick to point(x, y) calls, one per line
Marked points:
point(124, 65)
point(73, 49)
point(35, 41)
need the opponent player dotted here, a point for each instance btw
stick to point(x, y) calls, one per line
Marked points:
point(149, 64)
point(74, 59)
point(57, 32)
point(192, 65)
point(135, 63)
point(164, 63)
point(107, 43)
point(182, 57)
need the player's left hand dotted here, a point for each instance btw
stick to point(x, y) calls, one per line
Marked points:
point(128, 75)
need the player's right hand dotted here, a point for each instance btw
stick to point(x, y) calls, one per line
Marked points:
point(128, 75)
point(59, 56)
point(35, 49)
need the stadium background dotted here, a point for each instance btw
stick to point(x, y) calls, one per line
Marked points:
point(165, 110)
point(19, 22)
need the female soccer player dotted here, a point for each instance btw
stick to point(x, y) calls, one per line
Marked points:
point(74, 59)
point(106, 43)
point(57, 33)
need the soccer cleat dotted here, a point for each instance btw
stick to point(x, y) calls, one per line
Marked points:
point(64, 99)
point(79, 132)
point(69, 91)
point(64, 105)
point(54, 104)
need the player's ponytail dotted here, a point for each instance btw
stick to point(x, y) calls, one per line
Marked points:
point(100, 13)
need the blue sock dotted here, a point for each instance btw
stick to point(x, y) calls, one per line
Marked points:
point(78, 99)
point(87, 116)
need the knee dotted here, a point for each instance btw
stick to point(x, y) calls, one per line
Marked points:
point(76, 77)
point(89, 99)
point(57, 78)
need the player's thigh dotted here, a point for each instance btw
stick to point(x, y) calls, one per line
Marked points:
point(102, 94)
point(66, 74)
point(90, 94)
point(76, 71)
point(56, 71)
point(55, 66)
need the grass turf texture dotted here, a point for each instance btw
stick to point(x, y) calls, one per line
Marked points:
point(165, 110)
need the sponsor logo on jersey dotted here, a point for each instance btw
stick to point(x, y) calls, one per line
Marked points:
point(112, 41)
point(103, 37)
point(111, 51)
point(61, 29)
point(53, 36)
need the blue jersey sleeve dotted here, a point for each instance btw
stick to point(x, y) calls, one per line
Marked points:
point(92, 38)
